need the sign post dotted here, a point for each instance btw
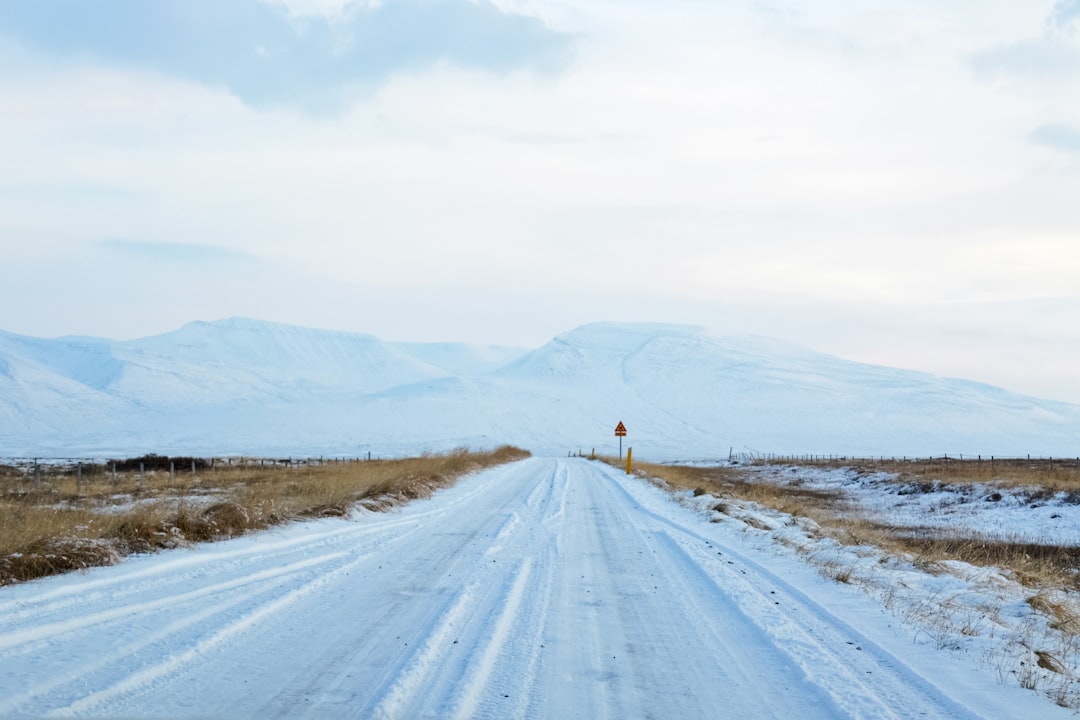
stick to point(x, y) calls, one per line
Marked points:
point(620, 432)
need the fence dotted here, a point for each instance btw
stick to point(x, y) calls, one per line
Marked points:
point(35, 468)
point(993, 460)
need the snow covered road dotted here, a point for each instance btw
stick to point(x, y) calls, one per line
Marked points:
point(548, 588)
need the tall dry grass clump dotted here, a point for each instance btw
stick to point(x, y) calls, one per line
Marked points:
point(59, 519)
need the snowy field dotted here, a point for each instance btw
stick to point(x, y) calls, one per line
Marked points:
point(1014, 514)
point(553, 588)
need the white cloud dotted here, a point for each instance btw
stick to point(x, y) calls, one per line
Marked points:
point(695, 158)
point(269, 54)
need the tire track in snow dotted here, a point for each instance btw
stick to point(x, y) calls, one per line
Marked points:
point(857, 682)
point(115, 656)
point(172, 664)
point(462, 693)
point(634, 637)
point(520, 658)
point(508, 656)
point(495, 622)
point(426, 661)
point(123, 613)
point(481, 670)
point(430, 653)
point(548, 588)
point(165, 570)
point(835, 656)
point(485, 617)
point(130, 581)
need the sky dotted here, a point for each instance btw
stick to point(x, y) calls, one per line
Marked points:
point(895, 181)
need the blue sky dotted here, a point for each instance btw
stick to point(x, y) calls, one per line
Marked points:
point(265, 56)
point(893, 182)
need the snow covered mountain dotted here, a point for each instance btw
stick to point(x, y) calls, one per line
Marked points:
point(251, 387)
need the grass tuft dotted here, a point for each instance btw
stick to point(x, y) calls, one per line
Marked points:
point(1051, 571)
point(56, 521)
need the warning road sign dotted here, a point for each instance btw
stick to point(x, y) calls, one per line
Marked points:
point(620, 430)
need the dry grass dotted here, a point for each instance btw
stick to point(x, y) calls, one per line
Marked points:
point(55, 521)
point(1049, 475)
point(1035, 565)
point(1039, 654)
point(1064, 617)
point(733, 482)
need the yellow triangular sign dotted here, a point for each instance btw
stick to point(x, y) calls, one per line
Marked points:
point(620, 429)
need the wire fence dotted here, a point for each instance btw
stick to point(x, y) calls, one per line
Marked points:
point(1027, 461)
point(34, 468)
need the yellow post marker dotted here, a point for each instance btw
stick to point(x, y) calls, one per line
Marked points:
point(629, 455)
point(593, 456)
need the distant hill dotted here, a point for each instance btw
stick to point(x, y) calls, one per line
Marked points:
point(243, 386)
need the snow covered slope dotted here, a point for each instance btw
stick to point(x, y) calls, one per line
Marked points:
point(246, 358)
point(250, 387)
point(462, 358)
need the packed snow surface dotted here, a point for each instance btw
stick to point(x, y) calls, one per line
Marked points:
point(555, 588)
point(245, 387)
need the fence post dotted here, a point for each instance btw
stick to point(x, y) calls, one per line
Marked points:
point(78, 479)
point(172, 470)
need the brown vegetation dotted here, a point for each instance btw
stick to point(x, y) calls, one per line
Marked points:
point(1036, 565)
point(60, 519)
point(1041, 660)
point(1050, 474)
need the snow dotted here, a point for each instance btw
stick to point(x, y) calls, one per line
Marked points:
point(981, 616)
point(461, 358)
point(256, 388)
point(991, 511)
point(553, 587)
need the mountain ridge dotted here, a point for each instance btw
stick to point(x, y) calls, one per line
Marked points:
point(252, 387)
